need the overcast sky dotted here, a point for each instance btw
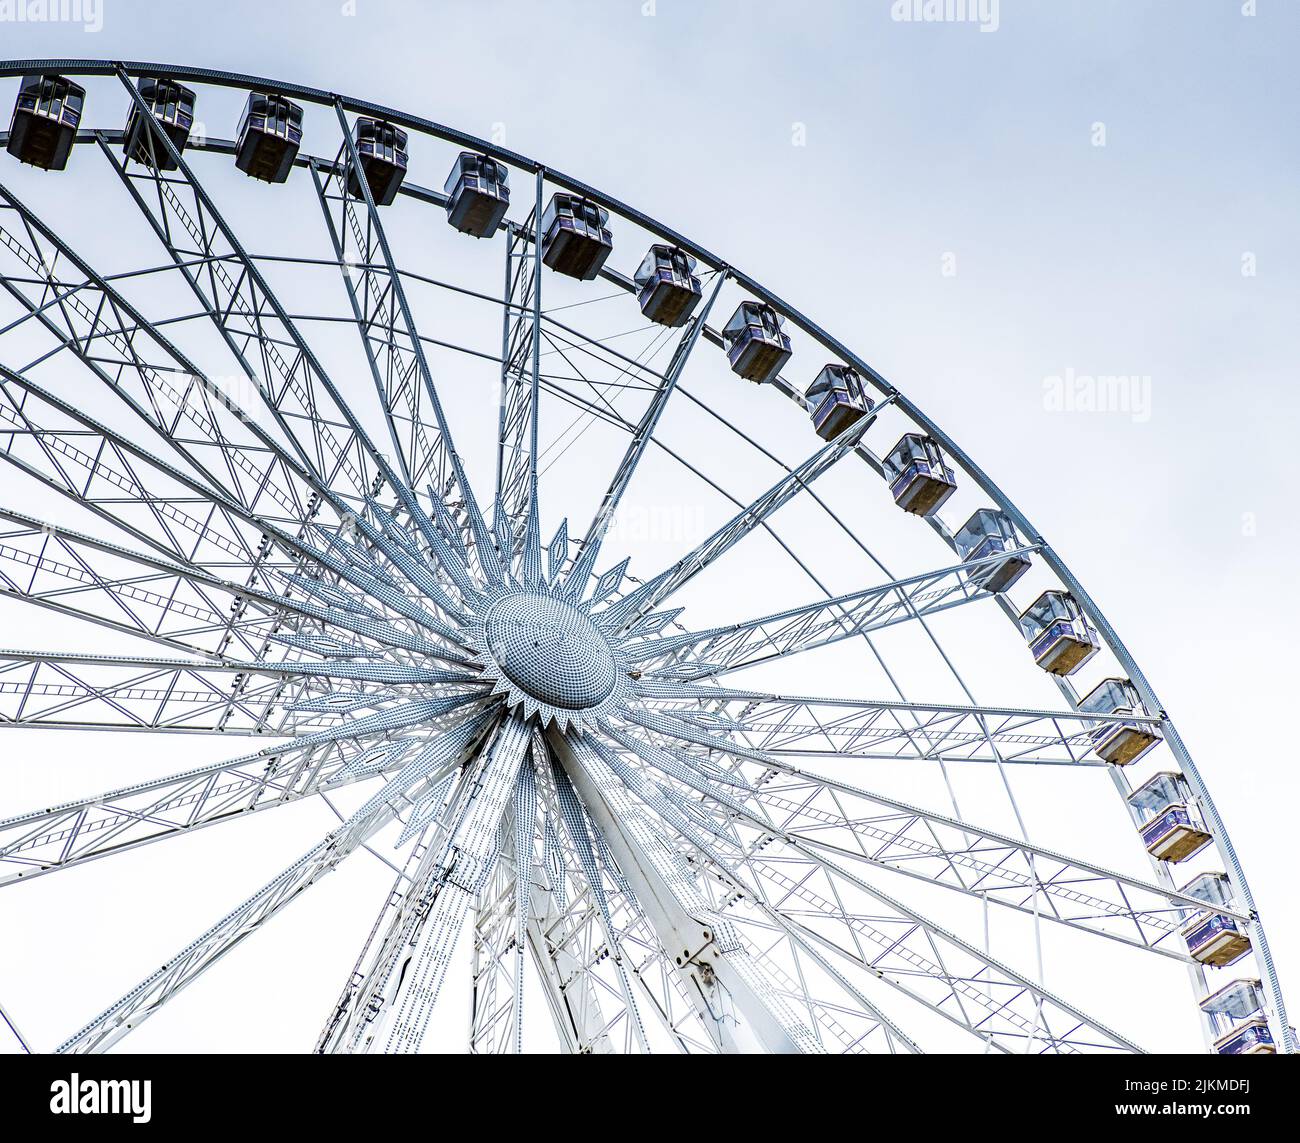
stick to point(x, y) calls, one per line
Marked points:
point(991, 212)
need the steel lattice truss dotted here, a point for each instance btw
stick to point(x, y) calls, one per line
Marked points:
point(579, 793)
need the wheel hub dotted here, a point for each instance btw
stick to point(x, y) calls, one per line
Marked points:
point(551, 650)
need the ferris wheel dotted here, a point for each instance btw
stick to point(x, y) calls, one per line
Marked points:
point(293, 463)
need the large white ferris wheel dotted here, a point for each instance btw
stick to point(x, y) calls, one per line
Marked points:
point(288, 464)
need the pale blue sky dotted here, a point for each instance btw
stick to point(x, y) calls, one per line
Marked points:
point(924, 141)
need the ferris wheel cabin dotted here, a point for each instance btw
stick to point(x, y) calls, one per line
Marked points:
point(45, 120)
point(381, 148)
point(1119, 742)
point(1211, 937)
point(837, 399)
point(270, 133)
point(919, 478)
point(171, 105)
point(667, 289)
point(985, 536)
point(1058, 633)
point(575, 238)
point(478, 194)
point(1237, 1013)
point(1171, 827)
point(756, 346)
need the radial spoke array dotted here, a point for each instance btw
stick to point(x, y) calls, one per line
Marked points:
point(627, 848)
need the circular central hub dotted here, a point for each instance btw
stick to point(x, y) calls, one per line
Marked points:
point(552, 650)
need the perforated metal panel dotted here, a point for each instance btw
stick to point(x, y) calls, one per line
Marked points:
point(551, 650)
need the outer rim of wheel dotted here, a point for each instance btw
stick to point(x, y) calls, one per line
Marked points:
point(242, 81)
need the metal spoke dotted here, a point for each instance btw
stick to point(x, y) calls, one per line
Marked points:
point(165, 603)
point(853, 824)
point(587, 942)
point(717, 963)
point(126, 352)
point(793, 726)
point(390, 1005)
point(641, 438)
point(501, 919)
point(647, 597)
point(108, 693)
point(445, 464)
point(912, 953)
point(76, 832)
point(198, 956)
point(246, 311)
point(701, 654)
point(516, 482)
point(766, 1004)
